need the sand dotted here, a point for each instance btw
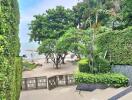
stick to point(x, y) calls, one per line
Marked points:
point(48, 70)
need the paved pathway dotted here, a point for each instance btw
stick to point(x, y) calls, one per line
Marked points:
point(121, 94)
point(70, 93)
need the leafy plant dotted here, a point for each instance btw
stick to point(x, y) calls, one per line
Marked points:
point(28, 65)
point(100, 65)
point(109, 79)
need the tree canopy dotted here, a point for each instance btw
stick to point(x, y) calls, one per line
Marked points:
point(51, 24)
point(61, 30)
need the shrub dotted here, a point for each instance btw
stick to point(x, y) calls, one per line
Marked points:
point(28, 65)
point(84, 65)
point(109, 79)
point(100, 65)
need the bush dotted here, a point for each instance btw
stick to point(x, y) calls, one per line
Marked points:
point(100, 66)
point(84, 65)
point(28, 65)
point(109, 79)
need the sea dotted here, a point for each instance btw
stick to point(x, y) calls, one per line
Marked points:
point(29, 49)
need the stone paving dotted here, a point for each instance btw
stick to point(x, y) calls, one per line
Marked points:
point(70, 93)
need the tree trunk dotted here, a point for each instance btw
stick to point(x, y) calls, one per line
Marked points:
point(56, 66)
point(47, 58)
point(63, 61)
point(57, 61)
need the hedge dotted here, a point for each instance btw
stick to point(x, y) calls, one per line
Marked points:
point(84, 65)
point(109, 79)
point(117, 44)
point(10, 62)
point(18, 75)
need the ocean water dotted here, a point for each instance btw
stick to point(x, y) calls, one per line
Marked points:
point(30, 50)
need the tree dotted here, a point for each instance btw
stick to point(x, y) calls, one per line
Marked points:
point(80, 17)
point(75, 41)
point(51, 24)
point(48, 28)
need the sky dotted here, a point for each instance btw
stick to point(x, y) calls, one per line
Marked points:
point(28, 8)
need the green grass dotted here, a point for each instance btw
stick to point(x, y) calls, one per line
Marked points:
point(28, 65)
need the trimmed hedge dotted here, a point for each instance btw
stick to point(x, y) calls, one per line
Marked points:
point(84, 65)
point(10, 62)
point(110, 79)
point(18, 77)
point(117, 44)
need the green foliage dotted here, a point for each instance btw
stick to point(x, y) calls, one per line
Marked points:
point(18, 77)
point(28, 65)
point(110, 79)
point(80, 14)
point(48, 46)
point(10, 73)
point(4, 66)
point(84, 65)
point(116, 45)
point(75, 41)
point(48, 28)
point(100, 66)
point(51, 25)
point(126, 12)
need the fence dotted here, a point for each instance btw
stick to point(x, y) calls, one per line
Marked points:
point(125, 70)
point(44, 82)
point(34, 83)
point(60, 80)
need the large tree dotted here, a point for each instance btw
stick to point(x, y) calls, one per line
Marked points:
point(48, 28)
point(76, 41)
point(51, 24)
